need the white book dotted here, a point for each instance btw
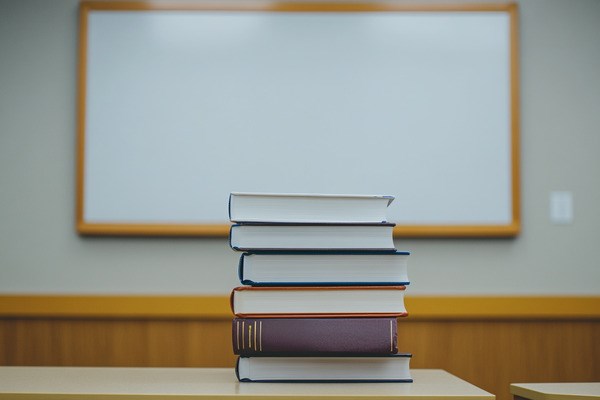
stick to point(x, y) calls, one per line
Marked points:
point(309, 236)
point(308, 208)
point(323, 268)
point(264, 301)
point(391, 368)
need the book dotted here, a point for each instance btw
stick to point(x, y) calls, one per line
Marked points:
point(253, 237)
point(314, 336)
point(391, 368)
point(297, 268)
point(329, 208)
point(310, 301)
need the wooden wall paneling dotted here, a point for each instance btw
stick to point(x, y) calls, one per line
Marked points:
point(493, 354)
point(91, 342)
point(490, 354)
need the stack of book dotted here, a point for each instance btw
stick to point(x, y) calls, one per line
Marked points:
point(323, 287)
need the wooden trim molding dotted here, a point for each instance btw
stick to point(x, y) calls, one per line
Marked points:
point(208, 230)
point(105, 306)
point(222, 230)
point(460, 231)
point(295, 6)
point(217, 307)
point(504, 307)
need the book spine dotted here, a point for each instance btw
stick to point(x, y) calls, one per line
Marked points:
point(323, 284)
point(314, 336)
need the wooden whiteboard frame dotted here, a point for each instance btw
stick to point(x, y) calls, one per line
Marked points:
point(216, 230)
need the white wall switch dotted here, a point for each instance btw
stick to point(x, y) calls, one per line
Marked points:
point(561, 207)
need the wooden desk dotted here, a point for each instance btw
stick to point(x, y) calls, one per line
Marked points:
point(213, 383)
point(556, 391)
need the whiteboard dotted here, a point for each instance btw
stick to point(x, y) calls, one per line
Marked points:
point(180, 107)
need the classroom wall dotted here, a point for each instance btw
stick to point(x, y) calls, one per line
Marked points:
point(40, 251)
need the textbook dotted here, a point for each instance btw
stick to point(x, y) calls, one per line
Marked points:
point(253, 237)
point(311, 301)
point(297, 268)
point(328, 208)
point(323, 288)
point(314, 336)
point(391, 368)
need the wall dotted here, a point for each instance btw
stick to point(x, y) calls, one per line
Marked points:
point(41, 253)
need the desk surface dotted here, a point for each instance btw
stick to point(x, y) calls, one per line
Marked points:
point(218, 383)
point(557, 391)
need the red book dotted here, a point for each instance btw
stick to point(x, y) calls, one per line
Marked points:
point(318, 301)
point(314, 336)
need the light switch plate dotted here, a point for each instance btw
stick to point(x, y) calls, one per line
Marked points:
point(561, 207)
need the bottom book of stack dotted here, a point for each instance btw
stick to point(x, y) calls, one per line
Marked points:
point(350, 349)
point(390, 368)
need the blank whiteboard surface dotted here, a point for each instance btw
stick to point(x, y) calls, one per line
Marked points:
point(184, 107)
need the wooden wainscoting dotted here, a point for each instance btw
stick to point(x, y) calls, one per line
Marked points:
point(490, 342)
point(493, 354)
point(119, 343)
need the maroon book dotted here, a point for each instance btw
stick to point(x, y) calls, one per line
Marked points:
point(314, 336)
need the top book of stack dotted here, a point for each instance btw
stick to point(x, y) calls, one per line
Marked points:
point(308, 208)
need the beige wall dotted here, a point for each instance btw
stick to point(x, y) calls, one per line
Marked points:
point(41, 253)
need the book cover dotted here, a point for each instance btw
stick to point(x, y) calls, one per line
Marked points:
point(314, 336)
point(318, 301)
point(299, 207)
point(349, 368)
point(319, 268)
point(312, 236)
